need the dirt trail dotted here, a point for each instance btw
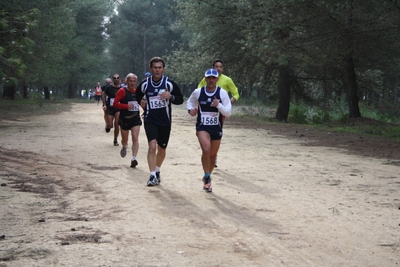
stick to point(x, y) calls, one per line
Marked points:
point(69, 199)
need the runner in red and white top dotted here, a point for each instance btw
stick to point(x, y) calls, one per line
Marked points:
point(129, 117)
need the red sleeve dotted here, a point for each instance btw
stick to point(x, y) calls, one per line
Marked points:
point(118, 97)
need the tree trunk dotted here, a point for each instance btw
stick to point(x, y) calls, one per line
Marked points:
point(25, 89)
point(71, 91)
point(284, 94)
point(351, 79)
point(250, 89)
point(46, 93)
point(352, 88)
point(9, 90)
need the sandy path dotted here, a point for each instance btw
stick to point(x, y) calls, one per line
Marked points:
point(275, 202)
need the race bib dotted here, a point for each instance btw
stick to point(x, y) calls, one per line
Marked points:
point(112, 101)
point(209, 118)
point(135, 106)
point(156, 102)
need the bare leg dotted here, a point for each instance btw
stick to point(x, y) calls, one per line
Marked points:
point(124, 137)
point(215, 144)
point(135, 140)
point(161, 152)
point(209, 150)
point(116, 126)
point(151, 155)
point(110, 121)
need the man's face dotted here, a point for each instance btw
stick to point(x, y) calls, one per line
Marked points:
point(211, 81)
point(218, 67)
point(157, 70)
point(131, 81)
point(116, 79)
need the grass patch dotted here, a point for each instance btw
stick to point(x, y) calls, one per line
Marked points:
point(14, 109)
point(366, 126)
point(372, 123)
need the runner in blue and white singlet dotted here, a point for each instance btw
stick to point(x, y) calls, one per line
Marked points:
point(209, 118)
point(209, 103)
point(157, 93)
point(158, 110)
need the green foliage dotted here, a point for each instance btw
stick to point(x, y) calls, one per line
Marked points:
point(15, 41)
point(86, 62)
point(80, 42)
point(313, 38)
point(373, 123)
point(368, 128)
point(44, 63)
point(297, 114)
point(388, 113)
point(139, 31)
point(52, 43)
point(302, 114)
point(392, 133)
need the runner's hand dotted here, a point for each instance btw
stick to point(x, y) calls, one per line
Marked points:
point(143, 103)
point(193, 112)
point(215, 102)
point(166, 94)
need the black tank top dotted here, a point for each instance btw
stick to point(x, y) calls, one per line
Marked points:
point(130, 97)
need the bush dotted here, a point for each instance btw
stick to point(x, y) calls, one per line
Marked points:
point(302, 114)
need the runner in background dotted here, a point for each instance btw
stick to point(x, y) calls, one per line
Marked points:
point(129, 118)
point(97, 93)
point(112, 113)
point(103, 88)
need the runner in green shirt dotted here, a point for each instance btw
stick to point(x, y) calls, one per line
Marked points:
point(224, 81)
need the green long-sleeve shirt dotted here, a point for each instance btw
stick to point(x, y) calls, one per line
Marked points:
point(226, 83)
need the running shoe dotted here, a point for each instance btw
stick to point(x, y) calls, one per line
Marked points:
point(134, 163)
point(123, 151)
point(158, 177)
point(207, 184)
point(116, 143)
point(152, 181)
point(107, 129)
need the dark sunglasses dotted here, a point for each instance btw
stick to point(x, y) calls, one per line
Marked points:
point(115, 78)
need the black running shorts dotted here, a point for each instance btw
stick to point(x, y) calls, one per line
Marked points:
point(160, 133)
point(129, 123)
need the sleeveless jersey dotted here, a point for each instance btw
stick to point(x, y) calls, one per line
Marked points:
point(130, 97)
point(110, 92)
point(98, 90)
point(158, 111)
point(209, 118)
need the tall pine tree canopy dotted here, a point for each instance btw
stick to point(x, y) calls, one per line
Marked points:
point(314, 51)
